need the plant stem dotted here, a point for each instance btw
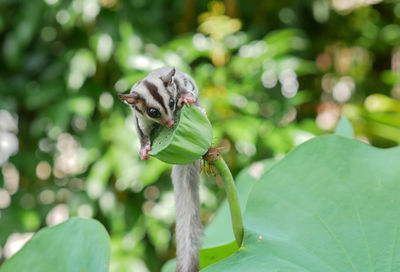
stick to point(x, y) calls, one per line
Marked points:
point(233, 200)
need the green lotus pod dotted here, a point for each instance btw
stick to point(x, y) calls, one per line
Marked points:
point(186, 141)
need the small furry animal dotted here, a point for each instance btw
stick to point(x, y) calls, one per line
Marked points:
point(153, 101)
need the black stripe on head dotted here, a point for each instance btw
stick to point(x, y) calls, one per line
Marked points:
point(193, 87)
point(164, 83)
point(141, 134)
point(166, 87)
point(137, 109)
point(155, 94)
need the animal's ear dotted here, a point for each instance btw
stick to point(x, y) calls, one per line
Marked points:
point(132, 98)
point(167, 79)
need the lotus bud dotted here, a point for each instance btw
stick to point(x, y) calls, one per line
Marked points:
point(186, 141)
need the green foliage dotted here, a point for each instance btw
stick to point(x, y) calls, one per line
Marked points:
point(219, 232)
point(339, 213)
point(329, 205)
point(75, 245)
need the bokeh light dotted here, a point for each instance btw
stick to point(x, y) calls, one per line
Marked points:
point(11, 178)
point(5, 199)
point(15, 242)
point(43, 170)
point(8, 139)
point(57, 215)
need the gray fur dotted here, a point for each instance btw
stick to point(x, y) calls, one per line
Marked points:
point(180, 83)
point(143, 128)
point(154, 91)
point(189, 229)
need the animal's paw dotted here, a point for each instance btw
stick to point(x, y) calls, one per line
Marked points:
point(144, 155)
point(186, 98)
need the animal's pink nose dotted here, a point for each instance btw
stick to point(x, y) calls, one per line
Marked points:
point(169, 123)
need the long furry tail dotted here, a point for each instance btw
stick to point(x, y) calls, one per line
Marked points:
point(189, 230)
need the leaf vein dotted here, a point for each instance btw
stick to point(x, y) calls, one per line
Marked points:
point(337, 242)
point(371, 265)
point(393, 248)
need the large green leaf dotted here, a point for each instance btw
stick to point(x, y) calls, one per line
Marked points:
point(219, 240)
point(219, 231)
point(330, 205)
point(77, 245)
point(344, 128)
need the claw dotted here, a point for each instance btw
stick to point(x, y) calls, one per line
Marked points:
point(186, 98)
point(144, 152)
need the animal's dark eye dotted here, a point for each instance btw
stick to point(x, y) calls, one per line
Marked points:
point(153, 113)
point(171, 103)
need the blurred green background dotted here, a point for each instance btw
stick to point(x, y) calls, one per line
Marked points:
point(272, 74)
